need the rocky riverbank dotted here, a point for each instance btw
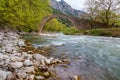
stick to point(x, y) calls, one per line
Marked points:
point(17, 63)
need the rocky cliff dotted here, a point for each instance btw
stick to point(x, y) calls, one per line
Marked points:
point(65, 8)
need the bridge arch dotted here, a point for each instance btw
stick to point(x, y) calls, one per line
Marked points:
point(47, 18)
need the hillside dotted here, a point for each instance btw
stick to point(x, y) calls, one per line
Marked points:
point(65, 8)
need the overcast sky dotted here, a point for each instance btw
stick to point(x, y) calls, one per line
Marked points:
point(77, 4)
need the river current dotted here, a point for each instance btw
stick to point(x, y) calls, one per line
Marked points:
point(93, 57)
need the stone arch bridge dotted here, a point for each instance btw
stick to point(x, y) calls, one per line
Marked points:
point(78, 23)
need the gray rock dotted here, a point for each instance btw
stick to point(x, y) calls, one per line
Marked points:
point(3, 75)
point(16, 65)
point(21, 43)
point(29, 69)
point(2, 56)
point(21, 74)
point(31, 77)
point(16, 58)
point(11, 76)
point(28, 63)
point(39, 57)
point(9, 49)
point(46, 74)
point(39, 77)
point(48, 61)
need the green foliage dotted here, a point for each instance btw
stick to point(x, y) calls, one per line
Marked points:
point(54, 25)
point(99, 32)
point(26, 15)
point(23, 14)
point(70, 31)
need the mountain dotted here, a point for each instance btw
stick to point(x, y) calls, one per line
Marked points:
point(65, 8)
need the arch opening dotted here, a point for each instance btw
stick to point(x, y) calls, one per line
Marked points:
point(48, 18)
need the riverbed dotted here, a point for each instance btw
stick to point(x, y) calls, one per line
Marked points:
point(91, 57)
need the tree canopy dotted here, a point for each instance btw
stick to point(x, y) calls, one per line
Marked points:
point(104, 11)
point(24, 14)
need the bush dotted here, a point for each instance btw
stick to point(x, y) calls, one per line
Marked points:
point(70, 31)
point(98, 32)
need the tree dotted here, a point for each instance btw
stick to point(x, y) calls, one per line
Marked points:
point(25, 15)
point(92, 9)
point(104, 11)
point(108, 11)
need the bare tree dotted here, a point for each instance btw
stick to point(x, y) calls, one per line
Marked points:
point(92, 9)
point(108, 11)
point(104, 11)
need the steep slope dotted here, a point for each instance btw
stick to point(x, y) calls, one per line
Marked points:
point(65, 8)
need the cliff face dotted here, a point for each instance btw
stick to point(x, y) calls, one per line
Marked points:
point(65, 8)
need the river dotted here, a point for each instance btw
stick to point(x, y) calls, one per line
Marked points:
point(92, 57)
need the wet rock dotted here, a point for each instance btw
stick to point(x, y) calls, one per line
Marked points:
point(39, 57)
point(43, 62)
point(43, 68)
point(3, 75)
point(28, 63)
point(16, 65)
point(46, 74)
point(75, 78)
point(39, 77)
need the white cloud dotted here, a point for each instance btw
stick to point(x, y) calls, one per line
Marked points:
point(77, 4)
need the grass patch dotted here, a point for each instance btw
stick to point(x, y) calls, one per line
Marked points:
point(114, 32)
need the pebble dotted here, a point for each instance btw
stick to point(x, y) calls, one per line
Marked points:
point(39, 77)
point(48, 61)
point(21, 43)
point(22, 74)
point(31, 77)
point(46, 74)
point(29, 69)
